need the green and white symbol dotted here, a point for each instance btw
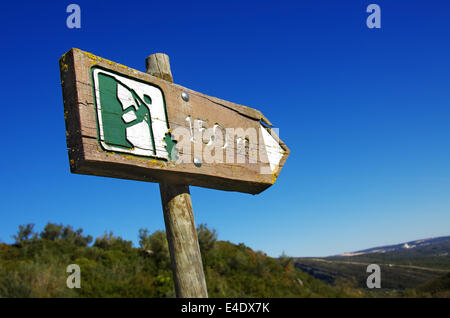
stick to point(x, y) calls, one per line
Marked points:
point(131, 116)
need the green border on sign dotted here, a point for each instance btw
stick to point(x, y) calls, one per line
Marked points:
point(96, 109)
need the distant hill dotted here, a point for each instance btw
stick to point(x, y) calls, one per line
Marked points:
point(430, 246)
point(405, 265)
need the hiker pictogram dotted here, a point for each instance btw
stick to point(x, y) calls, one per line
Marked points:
point(131, 115)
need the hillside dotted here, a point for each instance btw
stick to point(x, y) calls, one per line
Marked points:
point(432, 253)
point(35, 266)
point(403, 266)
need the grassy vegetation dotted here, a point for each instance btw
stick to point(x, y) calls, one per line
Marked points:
point(394, 277)
point(35, 266)
point(404, 271)
point(439, 287)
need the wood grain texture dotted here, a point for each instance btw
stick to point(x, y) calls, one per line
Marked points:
point(86, 156)
point(158, 65)
point(181, 233)
point(182, 237)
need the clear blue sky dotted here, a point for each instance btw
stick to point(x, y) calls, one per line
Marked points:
point(365, 113)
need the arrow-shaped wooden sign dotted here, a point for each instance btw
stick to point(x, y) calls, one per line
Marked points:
point(127, 124)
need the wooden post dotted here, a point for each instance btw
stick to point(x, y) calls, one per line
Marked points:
point(179, 217)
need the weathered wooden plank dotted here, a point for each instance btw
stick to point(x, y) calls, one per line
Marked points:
point(242, 164)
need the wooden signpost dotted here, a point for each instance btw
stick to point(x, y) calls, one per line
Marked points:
point(127, 124)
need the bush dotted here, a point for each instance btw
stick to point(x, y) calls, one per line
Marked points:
point(36, 267)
